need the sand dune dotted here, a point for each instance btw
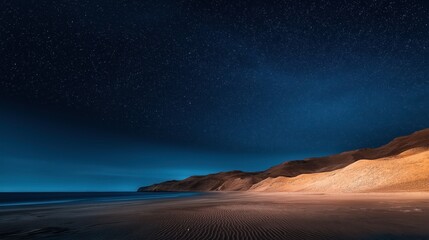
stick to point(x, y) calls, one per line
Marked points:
point(396, 173)
point(400, 165)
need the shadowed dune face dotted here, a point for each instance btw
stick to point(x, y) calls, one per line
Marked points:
point(225, 181)
point(400, 165)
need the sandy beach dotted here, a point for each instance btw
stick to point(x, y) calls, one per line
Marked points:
point(229, 215)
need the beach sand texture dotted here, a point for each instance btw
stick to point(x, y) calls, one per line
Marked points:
point(229, 215)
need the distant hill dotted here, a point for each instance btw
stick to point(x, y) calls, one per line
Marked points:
point(400, 165)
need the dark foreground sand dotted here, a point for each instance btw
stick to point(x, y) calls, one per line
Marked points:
point(229, 216)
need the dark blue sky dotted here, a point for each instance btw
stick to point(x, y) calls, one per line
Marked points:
point(111, 95)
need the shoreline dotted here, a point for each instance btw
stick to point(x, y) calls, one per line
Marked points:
point(24, 199)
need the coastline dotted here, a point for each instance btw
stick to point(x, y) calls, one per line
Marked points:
point(22, 199)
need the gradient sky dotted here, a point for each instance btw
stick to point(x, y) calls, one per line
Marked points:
point(113, 95)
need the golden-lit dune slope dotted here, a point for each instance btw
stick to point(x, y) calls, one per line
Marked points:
point(408, 171)
point(401, 165)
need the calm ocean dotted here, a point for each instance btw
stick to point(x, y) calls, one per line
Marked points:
point(40, 198)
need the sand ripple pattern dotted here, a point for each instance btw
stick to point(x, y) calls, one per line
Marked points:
point(229, 223)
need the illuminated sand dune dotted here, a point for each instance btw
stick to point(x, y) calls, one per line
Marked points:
point(400, 165)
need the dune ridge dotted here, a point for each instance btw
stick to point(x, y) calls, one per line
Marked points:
point(400, 165)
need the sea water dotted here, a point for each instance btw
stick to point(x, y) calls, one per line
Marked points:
point(41, 198)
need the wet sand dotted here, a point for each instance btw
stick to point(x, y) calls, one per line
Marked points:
point(229, 215)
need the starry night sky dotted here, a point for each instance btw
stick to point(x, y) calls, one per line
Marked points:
point(112, 95)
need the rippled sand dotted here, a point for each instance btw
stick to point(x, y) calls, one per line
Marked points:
point(229, 216)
